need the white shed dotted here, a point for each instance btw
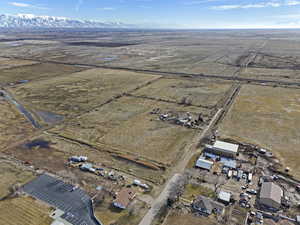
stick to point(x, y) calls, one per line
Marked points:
point(204, 164)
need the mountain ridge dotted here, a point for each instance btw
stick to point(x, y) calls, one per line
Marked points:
point(33, 21)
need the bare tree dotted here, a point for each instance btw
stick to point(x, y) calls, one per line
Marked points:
point(177, 189)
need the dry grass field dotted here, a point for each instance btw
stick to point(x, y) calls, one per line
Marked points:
point(79, 92)
point(198, 92)
point(128, 126)
point(36, 71)
point(268, 117)
point(24, 211)
point(6, 63)
point(271, 74)
point(11, 175)
point(189, 219)
point(13, 126)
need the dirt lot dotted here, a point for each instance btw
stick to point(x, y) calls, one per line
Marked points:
point(188, 219)
point(268, 117)
point(79, 92)
point(197, 92)
point(127, 126)
point(6, 63)
point(13, 126)
point(24, 211)
point(11, 175)
point(36, 71)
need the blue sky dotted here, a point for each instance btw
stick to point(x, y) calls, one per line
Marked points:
point(169, 13)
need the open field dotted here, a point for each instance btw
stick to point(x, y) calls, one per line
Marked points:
point(268, 117)
point(12, 175)
point(197, 92)
point(24, 211)
point(127, 126)
point(188, 219)
point(13, 126)
point(271, 74)
point(6, 63)
point(79, 92)
point(36, 71)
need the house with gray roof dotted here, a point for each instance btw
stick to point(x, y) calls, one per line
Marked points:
point(207, 206)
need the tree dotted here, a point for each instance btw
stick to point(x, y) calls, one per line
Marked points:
point(177, 189)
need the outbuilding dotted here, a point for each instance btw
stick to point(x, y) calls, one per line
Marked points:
point(223, 149)
point(224, 197)
point(204, 164)
point(270, 195)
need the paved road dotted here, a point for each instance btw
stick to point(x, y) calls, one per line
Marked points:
point(159, 201)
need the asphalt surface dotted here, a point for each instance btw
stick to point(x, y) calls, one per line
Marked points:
point(76, 204)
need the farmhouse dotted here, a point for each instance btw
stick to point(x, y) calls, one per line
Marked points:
point(124, 197)
point(223, 149)
point(207, 206)
point(270, 195)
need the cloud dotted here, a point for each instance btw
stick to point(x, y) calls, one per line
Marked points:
point(198, 2)
point(78, 5)
point(292, 2)
point(19, 4)
point(289, 16)
point(107, 8)
point(272, 4)
point(25, 5)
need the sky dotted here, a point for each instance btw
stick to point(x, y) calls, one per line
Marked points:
point(187, 14)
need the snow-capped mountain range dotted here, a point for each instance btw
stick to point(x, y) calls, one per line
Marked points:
point(32, 21)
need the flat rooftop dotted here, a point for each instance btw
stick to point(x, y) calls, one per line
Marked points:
point(226, 146)
point(76, 204)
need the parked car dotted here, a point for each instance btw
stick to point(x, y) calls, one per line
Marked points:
point(252, 191)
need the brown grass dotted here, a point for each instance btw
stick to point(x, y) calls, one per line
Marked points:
point(189, 219)
point(198, 92)
point(13, 126)
point(10, 63)
point(268, 117)
point(127, 126)
point(37, 71)
point(24, 211)
point(11, 175)
point(79, 92)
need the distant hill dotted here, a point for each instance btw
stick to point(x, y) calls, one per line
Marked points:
point(32, 21)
